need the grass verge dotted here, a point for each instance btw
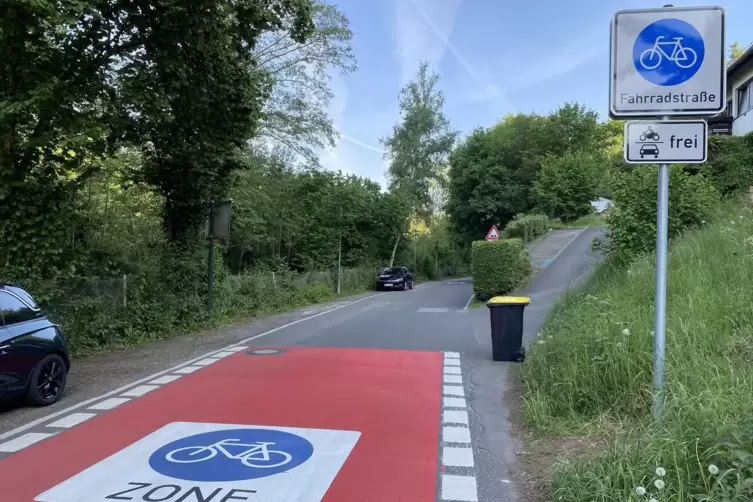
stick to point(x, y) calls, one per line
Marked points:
point(590, 375)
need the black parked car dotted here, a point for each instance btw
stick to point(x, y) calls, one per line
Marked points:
point(395, 278)
point(34, 359)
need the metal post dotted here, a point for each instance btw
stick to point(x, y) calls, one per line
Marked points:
point(660, 296)
point(340, 252)
point(210, 294)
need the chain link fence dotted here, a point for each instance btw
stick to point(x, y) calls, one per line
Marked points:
point(110, 294)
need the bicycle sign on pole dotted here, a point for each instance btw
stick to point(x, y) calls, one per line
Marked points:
point(663, 63)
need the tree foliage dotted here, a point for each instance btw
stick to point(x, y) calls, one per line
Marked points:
point(566, 185)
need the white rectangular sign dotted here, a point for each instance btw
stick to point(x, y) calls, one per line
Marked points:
point(668, 61)
point(666, 142)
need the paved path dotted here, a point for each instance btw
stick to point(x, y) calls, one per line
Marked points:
point(388, 396)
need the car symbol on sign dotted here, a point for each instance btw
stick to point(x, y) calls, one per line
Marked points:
point(649, 149)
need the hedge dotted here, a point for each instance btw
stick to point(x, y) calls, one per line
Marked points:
point(527, 227)
point(498, 267)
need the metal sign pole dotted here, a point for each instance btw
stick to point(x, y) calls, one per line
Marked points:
point(660, 297)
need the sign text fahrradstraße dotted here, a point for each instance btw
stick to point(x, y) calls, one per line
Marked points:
point(668, 61)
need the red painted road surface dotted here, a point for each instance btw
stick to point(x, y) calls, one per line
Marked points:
point(391, 397)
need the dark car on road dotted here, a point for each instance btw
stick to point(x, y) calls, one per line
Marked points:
point(34, 360)
point(395, 278)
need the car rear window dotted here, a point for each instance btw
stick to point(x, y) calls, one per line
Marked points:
point(391, 271)
point(23, 295)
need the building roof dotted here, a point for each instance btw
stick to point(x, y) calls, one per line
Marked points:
point(746, 56)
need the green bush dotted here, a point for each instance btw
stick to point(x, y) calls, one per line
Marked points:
point(527, 227)
point(730, 165)
point(498, 267)
point(566, 185)
point(632, 219)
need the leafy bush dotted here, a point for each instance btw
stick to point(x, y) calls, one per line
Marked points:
point(498, 267)
point(566, 185)
point(527, 227)
point(730, 165)
point(632, 219)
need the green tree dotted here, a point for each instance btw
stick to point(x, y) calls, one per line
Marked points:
point(419, 145)
point(566, 185)
point(735, 51)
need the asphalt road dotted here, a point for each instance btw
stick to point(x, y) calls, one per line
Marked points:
point(432, 317)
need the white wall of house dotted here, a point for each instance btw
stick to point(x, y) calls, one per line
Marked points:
point(735, 82)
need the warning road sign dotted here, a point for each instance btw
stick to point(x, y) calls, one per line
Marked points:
point(493, 234)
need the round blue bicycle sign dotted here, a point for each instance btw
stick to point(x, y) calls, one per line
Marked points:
point(231, 455)
point(668, 52)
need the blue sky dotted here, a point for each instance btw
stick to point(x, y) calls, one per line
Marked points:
point(493, 56)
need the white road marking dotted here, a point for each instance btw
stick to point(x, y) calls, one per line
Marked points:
point(139, 391)
point(452, 355)
point(125, 387)
point(207, 361)
point(164, 379)
point(238, 349)
point(460, 488)
point(453, 379)
point(452, 362)
point(452, 434)
point(453, 402)
point(452, 370)
point(433, 310)
point(455, 417)
point(109, 404)
point(453, 390)
point(224, 353)
point(185, 370)
point(22, 442)
point(457, 457)
point(72, 419)
point(468, 303)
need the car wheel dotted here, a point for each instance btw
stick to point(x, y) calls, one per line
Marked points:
point(411, 284)
point(47, 381)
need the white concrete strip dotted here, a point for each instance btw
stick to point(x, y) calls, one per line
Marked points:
point(185, 370)
point(164, 379)
point(207, 361)
point(457, 457)
point(109, 404)
point(433, 310)
point(453, 390)
point(453, 379)
point(452, 362)
point(468, 303)
point(71, 420)
point(456, 434)
point(455, 417)
point(452, 355)
point(459, 488)
point(238, 349)
point(453, 402)
point(224, 353)
point(214, 353)
point(139, 391)
point(22, 442)
point(452, 370)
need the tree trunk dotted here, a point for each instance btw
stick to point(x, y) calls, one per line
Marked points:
point(394, 250)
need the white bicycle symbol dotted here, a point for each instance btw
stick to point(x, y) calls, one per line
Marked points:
point(684, 57)
point(257, 455)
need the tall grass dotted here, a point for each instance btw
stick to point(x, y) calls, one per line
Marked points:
point(591, 372)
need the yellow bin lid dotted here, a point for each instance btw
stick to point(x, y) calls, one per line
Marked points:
point(509, 300)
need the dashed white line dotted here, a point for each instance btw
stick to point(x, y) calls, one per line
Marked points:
point(165, 379)
point(452, 370)
point(207, 361)
point(453, 379)
point(433, 310)
point(22, 442)
point(109, 404)
point(452, 362)
point(451, 355)
point(72, 419)
point(224, 353)
point(455, 417)
point(457, 457)
point(453, 390)
point(461, 488)
point(139, 391)
point(185, 370)
point(453, 402)
point(238, 349)
point(455, 434)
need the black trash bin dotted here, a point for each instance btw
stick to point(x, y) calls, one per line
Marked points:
point(506, 314)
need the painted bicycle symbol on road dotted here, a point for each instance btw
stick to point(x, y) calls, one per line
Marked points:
point(683, 57)
point(255, 455)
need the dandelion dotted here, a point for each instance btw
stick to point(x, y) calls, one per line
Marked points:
point(626, 332)
point(714, 470)
point(619, 344)
point(541, 342)
point(660, 472)
point(732, 222)
point(659, 484)
point(640, 491)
